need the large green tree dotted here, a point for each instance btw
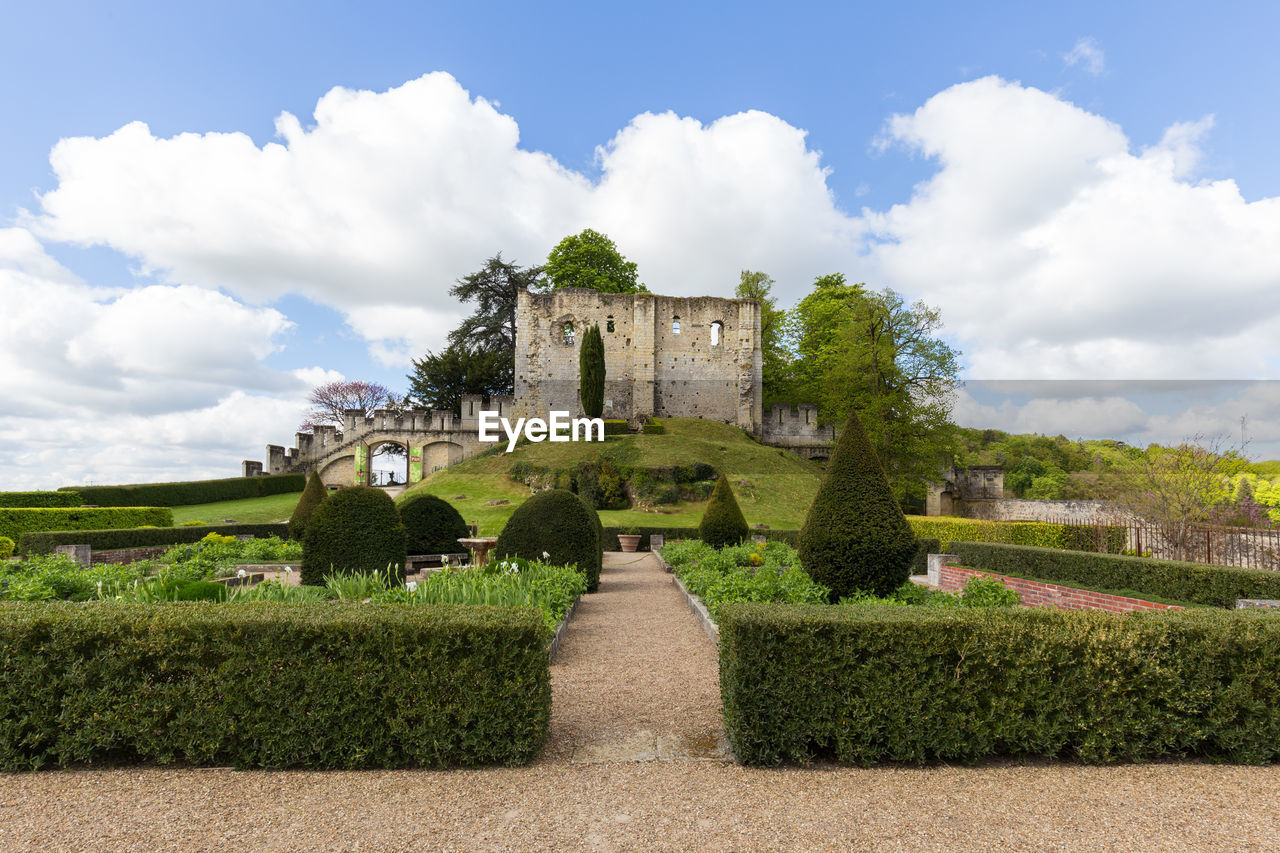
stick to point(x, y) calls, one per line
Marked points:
point(776, 373)
point(439, 380)
point(591, 373)
point(857, 348)
point(590, 259)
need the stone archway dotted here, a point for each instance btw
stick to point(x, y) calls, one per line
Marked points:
point(388, 463)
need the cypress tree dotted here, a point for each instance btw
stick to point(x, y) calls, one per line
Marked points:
point(312, 496)
point(855, 535)
point(722, 521)
point(591, 372)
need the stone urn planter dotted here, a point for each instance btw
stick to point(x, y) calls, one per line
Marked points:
point(629, 541)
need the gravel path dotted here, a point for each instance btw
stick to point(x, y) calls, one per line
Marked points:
point(636, 713)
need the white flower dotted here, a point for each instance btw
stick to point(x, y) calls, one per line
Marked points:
point(546, 555)
point(242, 574)
point(288, 570)
point(411, 585)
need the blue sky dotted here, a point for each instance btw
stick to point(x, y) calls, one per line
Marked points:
point(983, 160)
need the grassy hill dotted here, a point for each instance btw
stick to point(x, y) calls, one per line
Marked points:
point(773, 486)
point(266, 510)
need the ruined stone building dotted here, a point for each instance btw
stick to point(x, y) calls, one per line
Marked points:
point(665, 356)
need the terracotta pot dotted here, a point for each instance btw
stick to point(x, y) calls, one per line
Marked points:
point(628, 541)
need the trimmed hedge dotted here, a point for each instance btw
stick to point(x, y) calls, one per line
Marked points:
point(653, 429)
point(312, 496)
point(1198, 583)
point(6, 547)
point(924, 547)
point(558, 522)
point(357, 529)
point(615, 426)
point(36, 500)
point(1072, 537)
point(272, 685)
point(142, 537)
point(16, 522)
point(722, 521)
point(432, 525)
point(190, 492)
point(869, 684)
point(673, 534)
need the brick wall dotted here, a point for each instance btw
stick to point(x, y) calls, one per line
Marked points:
point(1040, 594)
point(129, 555)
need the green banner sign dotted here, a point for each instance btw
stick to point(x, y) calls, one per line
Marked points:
point(362, 465)
point(415, 464)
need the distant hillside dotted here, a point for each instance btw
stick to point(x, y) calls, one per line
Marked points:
point(773, 486)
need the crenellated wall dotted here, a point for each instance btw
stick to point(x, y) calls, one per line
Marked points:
point(798, 430)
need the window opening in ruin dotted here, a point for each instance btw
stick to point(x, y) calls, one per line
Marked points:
point(568, 334)
point(716, 328)
point(608, 326)
point(675, 325)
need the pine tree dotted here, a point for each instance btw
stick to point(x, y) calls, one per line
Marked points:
point(722, 521)
point(591, 373)
point(855, 536)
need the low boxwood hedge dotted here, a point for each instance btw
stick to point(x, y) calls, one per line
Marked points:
point(271, 685)
point(16, 522)
point(191, 491)
point(143, 537)
point(33, 500)
point(871, 684)
point(1078, 537)
point(672, 534)
point(1219, 586)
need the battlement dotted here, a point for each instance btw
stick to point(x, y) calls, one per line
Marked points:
point(798, 429)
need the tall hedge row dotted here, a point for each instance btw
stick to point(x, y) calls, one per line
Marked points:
point(1198, 583)
point(271, 685)
point(190, 492)
point(914, 684)
point(1043, 534)
point(36, 500)
point(142, 537)
point(15, 522)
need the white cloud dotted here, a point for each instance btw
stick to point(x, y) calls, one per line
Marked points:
point(1087, 55)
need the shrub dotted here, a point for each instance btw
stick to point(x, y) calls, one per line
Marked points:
point(558, 523)
point(6, 547)
point(653, 429)
point(355, 530)
point(591, 373)
point(35, 500)
point(1044, 534)
point(924, 547)
point(200, 591)
point(1197, 583)
point(722, 521)
point(432, 524)
point(363, 686)
point(190, 492)
point(614, 426)
point(312, 496)
point(916, 684)
point(738, 573)
point(138, 537)
point(16, 522)
point(855, 536)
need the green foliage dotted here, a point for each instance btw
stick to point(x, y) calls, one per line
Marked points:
point(590, 259)
point(591, 372)
point(722, 521)
point(189, 492)
point(312, 496)
point(364, 686)
point(432, 524)
point(600, 484)
point(557, 527)
point(356, 530)
point(653, 428)
point(925, 545)
point(977, 592)
point(34, 500)
point(6, 547)
point(615, 426)
point(1072, 537)
point(777, 379)
point(16, 522)
point(46, 578)
point(217, 556)
point(917, 684)
point(681, 534)
point(737, 573)
point(439, 380)
point(855, 536)
point(1218, 586)
point(106, 540)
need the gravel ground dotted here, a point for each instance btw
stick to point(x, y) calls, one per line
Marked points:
point(636, 673)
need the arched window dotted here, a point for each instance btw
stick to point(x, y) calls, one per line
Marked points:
point(608, 325)
point(675, 325)
point(568, 334)
point(717, 328)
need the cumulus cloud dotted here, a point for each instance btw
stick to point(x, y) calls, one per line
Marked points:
point(152, 381)
point(1086, 54)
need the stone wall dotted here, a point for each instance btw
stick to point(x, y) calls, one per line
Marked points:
point(798, 430)
point(665, 356)
point(1017, 509)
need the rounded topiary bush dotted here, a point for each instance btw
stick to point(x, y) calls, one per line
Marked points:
point(593, 577)
point(722, 521)
point(558, 523)
point(357, 529)
point(431, 524)
point(855, 536)
point(312, 496)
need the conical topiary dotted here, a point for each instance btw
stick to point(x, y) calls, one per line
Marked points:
point(356, 530)
point(591, 373)
point(558, 523)
point(722, 521)
point(432, 524)
point(312, 496)
point(855, 536)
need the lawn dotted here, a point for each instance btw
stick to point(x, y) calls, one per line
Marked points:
point(246, 511)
